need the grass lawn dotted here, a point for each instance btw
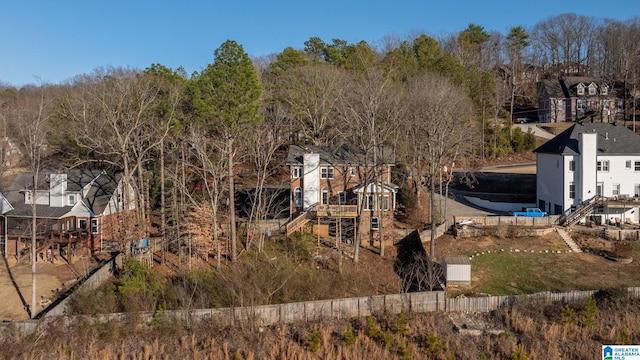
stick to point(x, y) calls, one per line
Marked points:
point(498, 269)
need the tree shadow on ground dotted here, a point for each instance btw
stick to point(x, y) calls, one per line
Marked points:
point(416, 270)
point(15, 285)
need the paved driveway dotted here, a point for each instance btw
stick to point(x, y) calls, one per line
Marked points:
point(457, 206)
point(535, 129)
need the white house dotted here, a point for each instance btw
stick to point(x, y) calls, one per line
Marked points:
point(586, 160)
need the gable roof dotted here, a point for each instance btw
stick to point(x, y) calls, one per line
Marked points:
point(375, 187)
point(567, 87)
point(344, 155)
point(554, 89)
point(96, 187)
point(613, 139)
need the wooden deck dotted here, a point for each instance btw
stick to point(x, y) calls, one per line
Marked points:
point(345, 211)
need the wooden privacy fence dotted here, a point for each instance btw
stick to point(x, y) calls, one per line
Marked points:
point(490, 303)
point(419, 302)
point(266, 315)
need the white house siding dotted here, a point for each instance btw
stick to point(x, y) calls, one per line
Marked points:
point(586, 188)
point(549, 185)
point(571, 177)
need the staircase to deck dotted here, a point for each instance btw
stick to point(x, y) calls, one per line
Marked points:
point(581, 211)
point(298, 222)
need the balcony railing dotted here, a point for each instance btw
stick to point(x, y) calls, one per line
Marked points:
point(336, 210)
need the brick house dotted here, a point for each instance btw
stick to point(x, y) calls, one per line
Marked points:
point(576, 98)
point(76, 211)
point(335, 186)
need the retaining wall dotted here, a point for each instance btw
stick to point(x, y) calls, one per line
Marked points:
point(92, 281)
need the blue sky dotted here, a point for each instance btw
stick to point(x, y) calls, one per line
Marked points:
point(44, 41)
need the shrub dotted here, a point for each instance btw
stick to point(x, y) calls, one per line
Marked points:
point(569, 315)
point(589, 313)
point(348, 338)
point(434, 345)
point(373, 331)
point(518, 353)
point(139, 288)
point(314, 340)
point(402, 324)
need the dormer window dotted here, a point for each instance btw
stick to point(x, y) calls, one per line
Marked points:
point(604, 90)
point(592, 89)
point(580, 89)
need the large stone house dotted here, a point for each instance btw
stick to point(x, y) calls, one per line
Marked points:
point(591, 161)
point(336, 186)
point(579, 98)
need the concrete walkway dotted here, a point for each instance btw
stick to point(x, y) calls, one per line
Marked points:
point(567, 239)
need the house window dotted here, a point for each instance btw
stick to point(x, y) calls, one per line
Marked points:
point(580, 104)
point(325, 197)
point(572, 190)
point(71, 199)
point(604, 90)
point(636, 190)
point(383, 202)
point(636, 165)
point(296, 172)
point(560, 104)
point(580, 89)
point(375, 223)
point(602, 165)
point(615, 189)
point(599, 187)
point(620, 104)
point(27, 197)
point(627, 165)
point(368, 202)
point(572, 165)
point(354, 171)
point(342, 197)
point(297, 197)
point(326, 173)
point(592, 89)
point(94, 226)
point(82, 224)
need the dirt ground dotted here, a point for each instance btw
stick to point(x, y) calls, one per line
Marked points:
point(51, 279)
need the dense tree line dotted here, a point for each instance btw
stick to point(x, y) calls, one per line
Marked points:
point(181, 140)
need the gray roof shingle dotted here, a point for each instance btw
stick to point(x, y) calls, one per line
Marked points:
point(613, 139)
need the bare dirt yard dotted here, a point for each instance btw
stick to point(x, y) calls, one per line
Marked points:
point(51, 279)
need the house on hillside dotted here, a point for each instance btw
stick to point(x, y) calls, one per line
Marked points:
point(336, 186)
point(590, 161)
point(579, 98)
point(77, 211)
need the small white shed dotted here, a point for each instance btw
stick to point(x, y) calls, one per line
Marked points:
point(457, 270)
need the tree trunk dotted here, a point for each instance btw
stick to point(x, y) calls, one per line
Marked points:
point(232, 204)
point(163, 216)
point(33, 311)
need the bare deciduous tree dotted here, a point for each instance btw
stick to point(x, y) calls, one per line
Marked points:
point(370, 112)
point(30, 127)
point(440, 126)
